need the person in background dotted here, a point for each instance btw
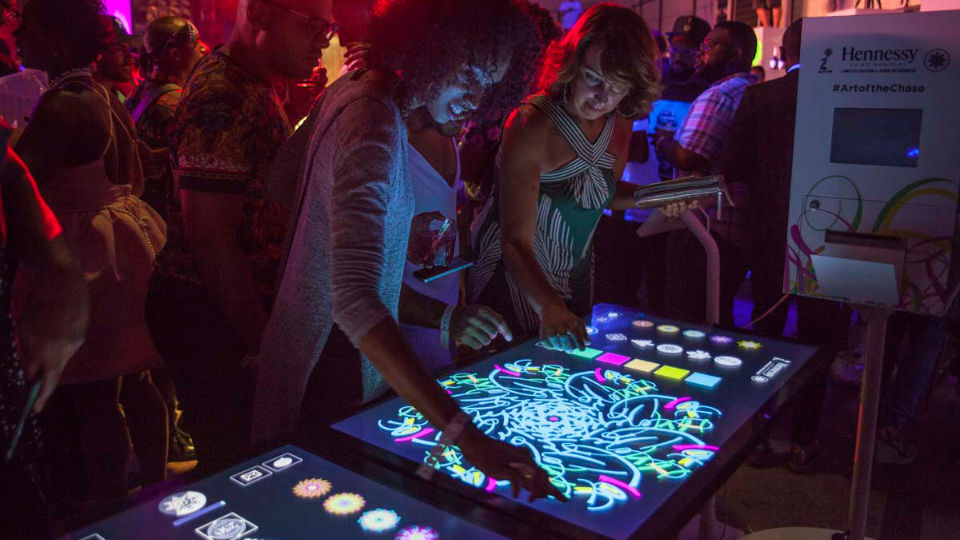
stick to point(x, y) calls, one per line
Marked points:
point(171, 48)
point(53, 324)
point(81, 148)
point(337, 302)
point(481, 138)
point(114, 67)
point(758, 74)
point(769, 12)
point(759, 153)
point(563, 151)
point(725, 58)
point(210, 300)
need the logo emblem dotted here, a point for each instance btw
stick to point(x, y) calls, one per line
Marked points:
point(936, 60)
point(827, 53)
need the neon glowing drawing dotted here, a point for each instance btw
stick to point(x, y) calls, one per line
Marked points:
point(698, 355)
point(417, 532)
point(613, 315)
point(584, 428)
point(344, 504)
point(421, 433)
point(643, 323)
point(668, 329)
point(507, 371)
point(617, 336)
point(673, 404)
point(750, 345)
point(721, 340)
point(312, 488)
point(642, 343)
point(591, 330)
point(669, 348)
point(694, 334)
point(378, 520)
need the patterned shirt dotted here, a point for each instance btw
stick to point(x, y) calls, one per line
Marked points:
point(228, 128)
point(710, 116)
point(704, 132)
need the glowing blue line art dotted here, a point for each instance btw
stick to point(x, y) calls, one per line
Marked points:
point(597, 432)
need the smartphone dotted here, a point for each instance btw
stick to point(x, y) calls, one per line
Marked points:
point(427, 275)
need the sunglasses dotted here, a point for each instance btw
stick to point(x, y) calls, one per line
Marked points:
point(317, 25)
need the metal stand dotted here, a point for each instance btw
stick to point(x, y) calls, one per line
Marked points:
point(659, 223)
point(876, 318)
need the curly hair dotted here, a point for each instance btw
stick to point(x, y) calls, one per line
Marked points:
point(77, 23)
point(425, 41)
point(629, 55)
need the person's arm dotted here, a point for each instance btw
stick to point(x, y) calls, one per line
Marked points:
point(368, 143)
point(683, 159)
point(524, 144)
point(52, 323)
point(704, 129)
point(472, 325)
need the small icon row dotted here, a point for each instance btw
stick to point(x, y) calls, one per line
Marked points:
point(259, 472)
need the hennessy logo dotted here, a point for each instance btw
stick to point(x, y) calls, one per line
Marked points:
point(823, 61)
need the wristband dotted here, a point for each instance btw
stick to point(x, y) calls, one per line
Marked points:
point(445, 325)
point(449, 438)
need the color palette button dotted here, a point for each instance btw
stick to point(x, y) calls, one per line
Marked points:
point(643, 366)
point(613, 358)
point(703, 380)
point(587, 353)
point(671, 372)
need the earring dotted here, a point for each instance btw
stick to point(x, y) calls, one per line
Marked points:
point(566, 92)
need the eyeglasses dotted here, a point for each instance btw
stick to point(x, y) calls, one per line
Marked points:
point(710, 43)
point(317, 25)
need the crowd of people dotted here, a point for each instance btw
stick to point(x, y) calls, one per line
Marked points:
point(179, 245)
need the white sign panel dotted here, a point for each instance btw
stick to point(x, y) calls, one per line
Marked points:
point(877, 147)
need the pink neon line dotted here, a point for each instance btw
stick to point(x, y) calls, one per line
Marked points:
point(599, 376)
point(417, 435)
point(682, 447)
point(676, 402)
point(491, 485)
point(507, 371)
point(619, 484)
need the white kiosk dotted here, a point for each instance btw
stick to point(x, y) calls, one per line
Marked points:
point(873, 202)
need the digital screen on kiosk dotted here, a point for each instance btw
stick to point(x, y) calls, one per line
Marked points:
point(886, 137)
point(619, 426)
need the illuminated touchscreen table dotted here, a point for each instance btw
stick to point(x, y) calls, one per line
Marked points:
point(288, 494)
point(620, 427)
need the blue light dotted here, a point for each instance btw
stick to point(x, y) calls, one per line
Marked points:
point(913, 153)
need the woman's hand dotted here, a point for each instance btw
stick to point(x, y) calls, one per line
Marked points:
point(561, 329)
point(673, 210)
point(503, 461)
point(477, 326)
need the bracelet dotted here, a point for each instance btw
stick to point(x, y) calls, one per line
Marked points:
point(450, 435)
point(445, 325)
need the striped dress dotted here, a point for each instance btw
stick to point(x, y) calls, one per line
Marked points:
point(569, 205)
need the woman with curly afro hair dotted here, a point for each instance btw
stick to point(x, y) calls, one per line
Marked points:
point(563, 152)
point(348, 236)
point(81, 146)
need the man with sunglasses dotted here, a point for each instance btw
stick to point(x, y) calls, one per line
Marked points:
point(227, 240)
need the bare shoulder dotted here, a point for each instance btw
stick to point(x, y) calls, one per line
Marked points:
point(527, 126)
